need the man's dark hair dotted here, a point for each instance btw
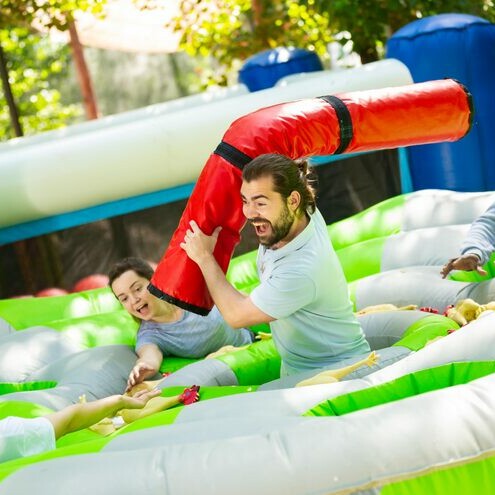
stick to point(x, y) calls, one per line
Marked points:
point(287, 175)
point(138, 265)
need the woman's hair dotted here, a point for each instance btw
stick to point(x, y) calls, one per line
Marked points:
point(138, 265)
point(288, 175)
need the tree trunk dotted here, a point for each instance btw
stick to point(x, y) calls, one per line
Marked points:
point(260, 27)
point(83, 76)
point(14, 114)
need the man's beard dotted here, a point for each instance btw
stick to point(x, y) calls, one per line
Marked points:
point(279, 229)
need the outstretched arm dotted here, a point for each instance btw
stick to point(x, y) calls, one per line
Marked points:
point(79, 416)
point(466, 262)
point(158, 404)
point(147, 365)
point(477, 246)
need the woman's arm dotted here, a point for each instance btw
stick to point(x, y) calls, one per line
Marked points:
point(147, 365)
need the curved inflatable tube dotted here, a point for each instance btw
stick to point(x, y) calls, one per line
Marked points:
point(475, 342)
point(435, 207)
point(411, 211)
point(96, 373)
point(315, 456)
point(207, 373)
point(67, 173)
point(27, 312)
point(40, 346)
point(415, 114)
point(422, 247)
point(421, 285)
point(132, 116)
point(299, 455)
point(387, 356)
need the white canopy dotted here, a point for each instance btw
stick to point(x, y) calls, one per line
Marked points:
point(128, 28)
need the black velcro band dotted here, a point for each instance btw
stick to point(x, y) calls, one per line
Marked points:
point(469, 97)
point(232, 155)
point(345, 121)
point(177, 302)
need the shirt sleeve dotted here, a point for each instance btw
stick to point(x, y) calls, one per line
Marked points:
point(481, 236)
point(146, 336)
point(281, 295)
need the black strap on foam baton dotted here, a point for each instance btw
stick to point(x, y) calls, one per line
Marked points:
point(345, 121)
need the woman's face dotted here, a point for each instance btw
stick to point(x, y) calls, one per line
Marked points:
point(131, 290)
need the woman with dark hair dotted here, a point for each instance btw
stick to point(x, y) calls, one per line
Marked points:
point(165, 329)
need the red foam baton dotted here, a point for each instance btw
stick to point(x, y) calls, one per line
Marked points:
point(419, 113)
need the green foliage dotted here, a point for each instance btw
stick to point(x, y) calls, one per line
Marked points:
point(371, 22)
point(232, 30)
point(35, 66)
point(47, 13)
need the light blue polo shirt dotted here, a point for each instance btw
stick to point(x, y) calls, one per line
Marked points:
point(304, 288)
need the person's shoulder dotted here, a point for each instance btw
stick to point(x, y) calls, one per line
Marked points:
point(317, 217)
point(214, 314)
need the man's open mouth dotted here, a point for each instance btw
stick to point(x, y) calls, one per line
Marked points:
point(261, 228)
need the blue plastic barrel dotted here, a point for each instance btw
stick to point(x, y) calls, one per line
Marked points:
point(264, 69)
point(462, 47)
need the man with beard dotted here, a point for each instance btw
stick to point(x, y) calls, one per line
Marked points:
point(303, 292)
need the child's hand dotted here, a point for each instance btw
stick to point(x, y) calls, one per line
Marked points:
point(140, 399)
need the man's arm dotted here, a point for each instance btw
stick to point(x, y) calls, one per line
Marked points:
point(236, 308)
point(79, 416)
point(466, 262)
point(477, 246)
point(480, 239)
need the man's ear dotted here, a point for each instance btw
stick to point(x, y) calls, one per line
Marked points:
point(294, 200)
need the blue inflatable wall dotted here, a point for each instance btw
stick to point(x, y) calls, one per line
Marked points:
point(264, 69)
point(462, 47)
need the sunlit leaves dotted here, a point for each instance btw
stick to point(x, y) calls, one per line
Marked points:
point(229, 31)
point(371, 22)
point(34, 66)
point(47, 13)
point(232, 30)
